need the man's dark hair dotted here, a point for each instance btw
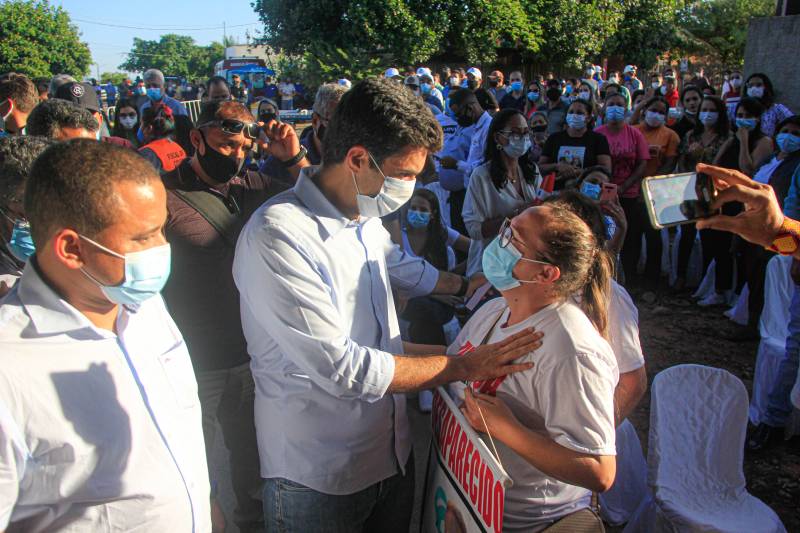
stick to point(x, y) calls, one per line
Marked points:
point(50, 116)
point(216, 79)
point(17, 154)
point(20, 89)
point(42, 85)
point(211, 111)
point(463, 97)
point(71, 185)
point(382, 116)
point(486, 100)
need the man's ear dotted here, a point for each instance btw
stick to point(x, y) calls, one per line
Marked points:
point(196, 138)
point(357, 158)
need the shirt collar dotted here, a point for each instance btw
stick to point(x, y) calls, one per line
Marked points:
point(49, 313)
point(321, 208)
point(485, 120)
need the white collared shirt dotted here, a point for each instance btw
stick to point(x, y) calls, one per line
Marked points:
point(477, 147)
point(321, 328)
point(98, 432)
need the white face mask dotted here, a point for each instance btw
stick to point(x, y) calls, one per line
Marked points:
point(736, 82)
point(655, 85)
point(127, 122)
point(755, 92)
point(393, 194)
point(454, 81)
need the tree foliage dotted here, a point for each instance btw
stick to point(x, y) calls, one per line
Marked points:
point(39, 40)
point(719, 27)
point(646, 30)
point(174, 55)
point(115, 78)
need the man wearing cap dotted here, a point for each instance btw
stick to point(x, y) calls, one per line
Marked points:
point(392, 74)
point(497, 85)
point(412, 84)
point(473, 80)
point(83, 95)
point(238, 89)
point(430, 93)
point(631, 81)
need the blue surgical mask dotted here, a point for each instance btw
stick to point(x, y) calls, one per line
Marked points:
point(591, 190)
point(575, 121)
point(516, 148)
point(533, 96)
point(746, 123)
point(21, 244)
point(615, 113)
point(654, 119)
point(418, 219)
point(146, 273)
point(788, 142)
point(516, 86)
point(154, 93)
point(498, 265)
point(708, 118)
point(426, 88)
point(568, 89)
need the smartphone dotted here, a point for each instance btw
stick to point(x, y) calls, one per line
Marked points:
point(608, 192)
point(677, 199)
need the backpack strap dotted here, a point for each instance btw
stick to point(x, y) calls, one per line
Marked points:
point(212, 208)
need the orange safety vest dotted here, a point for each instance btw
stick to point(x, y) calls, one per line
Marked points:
point(168, 152)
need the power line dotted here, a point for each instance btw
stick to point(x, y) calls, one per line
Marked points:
point(206, 28)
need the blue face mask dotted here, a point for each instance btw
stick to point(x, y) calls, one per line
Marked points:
point(568, 89)
point(418, 219)
point(154, 93)
point(575, 121)
point(516, 86)
point(498, 265)
point(146, 273)
point(533, 96)
point(426, 88)
point(615, 113)
point(746, 123)
point(592, 190)
point(788, 142)
point(21, 244)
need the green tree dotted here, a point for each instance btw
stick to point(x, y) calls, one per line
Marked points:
point(39, 40)
point(174, 55)
point(115, 77)
point(647, 29)
point(719, 27)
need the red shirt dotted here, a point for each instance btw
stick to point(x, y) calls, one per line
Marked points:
point(672, 98)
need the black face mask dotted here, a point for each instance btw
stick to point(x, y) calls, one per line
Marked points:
point(553, 94)
point(493, 83)
point(464, 120)
point(266, 117)
point(219, 168)
point(472, 85)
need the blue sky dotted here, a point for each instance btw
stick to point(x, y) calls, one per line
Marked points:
point(109, 44)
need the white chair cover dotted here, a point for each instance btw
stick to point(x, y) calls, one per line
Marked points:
point(778, 291)
point(740, 304)
point(694, 271)
point(706, 287)
point(698, 418)
point(630, 486)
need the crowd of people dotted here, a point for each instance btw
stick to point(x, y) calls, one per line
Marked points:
point(167, 279)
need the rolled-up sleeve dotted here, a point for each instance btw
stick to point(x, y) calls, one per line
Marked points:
point(412, 275)
point(288, 295)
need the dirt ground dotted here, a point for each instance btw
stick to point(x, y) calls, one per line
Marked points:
point(675, 331)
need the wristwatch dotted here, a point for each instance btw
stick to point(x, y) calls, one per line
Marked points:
point(788, 239)
point(296, 159)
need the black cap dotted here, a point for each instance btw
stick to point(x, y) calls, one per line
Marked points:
point(80, 94)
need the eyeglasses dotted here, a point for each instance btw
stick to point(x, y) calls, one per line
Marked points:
point(506, 235)
point(514, 136)
point(251, 130)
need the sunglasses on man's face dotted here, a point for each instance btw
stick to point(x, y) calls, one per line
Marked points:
point(251, 130)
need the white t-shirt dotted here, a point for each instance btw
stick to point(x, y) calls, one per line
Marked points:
point(623, 329)
point(287, 90)
point(568, 396)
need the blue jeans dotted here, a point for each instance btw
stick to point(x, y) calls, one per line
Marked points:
point(779, 406)
point(386, 506)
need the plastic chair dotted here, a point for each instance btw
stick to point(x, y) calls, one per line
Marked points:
point(630, 486)
point(778, 291)
point(738, 313)
point(698, 418)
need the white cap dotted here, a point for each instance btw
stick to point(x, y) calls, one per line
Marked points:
point(424, 71)
point(391, 73)
point(475, 72)
point(628, 68)
point(345, 82)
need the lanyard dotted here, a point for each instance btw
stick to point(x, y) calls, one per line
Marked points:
point(146, 401)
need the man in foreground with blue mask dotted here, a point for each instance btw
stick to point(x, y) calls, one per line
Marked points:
point(315, 269)
point(16, 244)
point(99, 416)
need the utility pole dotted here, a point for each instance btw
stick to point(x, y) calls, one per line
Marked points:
point(224, 34)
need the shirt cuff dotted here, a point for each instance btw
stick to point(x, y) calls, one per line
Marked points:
point(427, 282)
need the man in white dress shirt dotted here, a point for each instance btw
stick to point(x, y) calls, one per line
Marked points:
point(99, 417)
point(316, 268)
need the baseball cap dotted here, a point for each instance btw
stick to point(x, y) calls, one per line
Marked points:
point(628, 68)
point(391, 73)
point(80, 94)
point(424, 71)
point(411, 80)
point(475, 72)
point(345, 83)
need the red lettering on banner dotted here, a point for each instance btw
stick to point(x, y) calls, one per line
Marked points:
point(499, 504)
point(451, 456)
point(468, 347)
point(462, 444)
point(474, 484)
point(465, 476)
point(486, 502)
